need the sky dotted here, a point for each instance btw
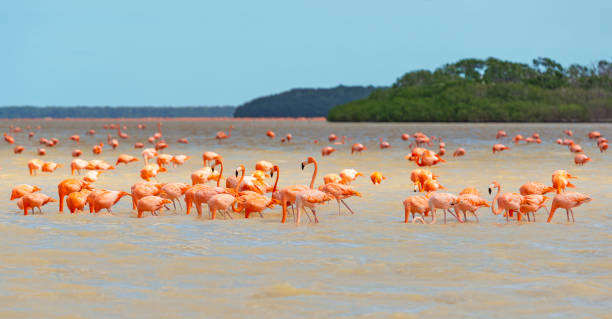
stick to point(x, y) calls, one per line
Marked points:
point(137, 52)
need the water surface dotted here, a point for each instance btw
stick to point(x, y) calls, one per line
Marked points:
point(367, 265)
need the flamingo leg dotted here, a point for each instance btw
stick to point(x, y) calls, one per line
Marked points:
point(352, 212)
point(572, 212)
point(528, 219)
point(314, 213)
point(476, 216)
point(567, 213)
point(464, 216)
point(338, 201)
point(415, 219)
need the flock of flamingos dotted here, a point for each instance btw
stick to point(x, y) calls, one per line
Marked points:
point(247, 194)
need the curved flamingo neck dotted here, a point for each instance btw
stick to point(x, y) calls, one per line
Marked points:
point(275, 182)
point(314, 174)
point(239, 181)
point(220, 174)
point(498, 210)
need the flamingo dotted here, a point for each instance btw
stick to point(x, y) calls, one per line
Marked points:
point(405, 137)
point(288, 195)
point(142, 189)
point(383, 144)
point(508, 202)
point(415, 205)
point(67, 186)
point(581, 159)
point(147, 154)
point(468, 203)
point(327, 150)
point(76, 201)
point(560, 180)
point(76, 153)
point(332, 178)
point(311, 197)
point(18, 149)
point(501, 134)
point(254, 202)
point(459, 152)
point(34, 165)
point(22, 190)
point(107, 199)
point(75, 138)
point(377, 178)
point(567, 201)
point(174, 191)
point(531, 204)
point(33, 200)
point(77, 164)
point(151, 204)
point(183, 141)
point(537, 188)
point(178, 160)
point(125, 159)
point(340, 192)
point(442, 201)
point(499, 148)
point(332, 137)
point(222, 136)
point(348, 175)
point(358, 147)
point(270, 134)
point(342, 142)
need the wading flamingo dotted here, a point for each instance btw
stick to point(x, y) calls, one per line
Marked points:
point(531, 204)
point(468, 203)
point(151, 204)
point(560, 180)
point(376, 177)
point(34, 200)
point(416, 205)
point(67, 186)
point(535, 188)
point(442, 201)
point(22, 190)
point(567, 201)
point(508, 202)
point(222, 136)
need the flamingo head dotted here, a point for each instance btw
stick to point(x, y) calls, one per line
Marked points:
point(309, 160)
point(494, 184)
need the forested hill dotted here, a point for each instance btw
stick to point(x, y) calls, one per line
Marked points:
point(474, 90)
point(302, 102)
point(114, 112)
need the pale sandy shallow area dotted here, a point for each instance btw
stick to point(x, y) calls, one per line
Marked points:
point(369, 265)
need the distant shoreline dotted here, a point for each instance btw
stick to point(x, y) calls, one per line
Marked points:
point(169, 119)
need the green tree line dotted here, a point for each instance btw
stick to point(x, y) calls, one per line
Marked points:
point(491, 90)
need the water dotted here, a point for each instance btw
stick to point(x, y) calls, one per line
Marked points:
point(368, 265)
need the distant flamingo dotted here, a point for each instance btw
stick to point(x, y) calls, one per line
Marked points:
point(50, 167)
point(150, 171)
point(125, 159)
point(138, 145)
point(567, 201)
point(76, 153)
point(107, 199)
point(432, 185)
point(592, 135)
point(517, 138)
point(332, 137)
point(147, 154)
point(501, 134)
point(332, 178)
point(581, 159)
point(358, 147)
point(18, 149)
point(9, 139)
point(405, 137)
point(76, 138)
point(383, 144)
point(327, 150)
point(270, 134)
point(348, 175)
point(342, 141)
point(97, 149)
point(568, 132)
point(178, 160)
point(459, 152)
point(41, 152)
point(377, 178)
point(34, 165)
point(499, 148)
point(183, 141)
point(77, 165)
point(222, 136)
point(92, 176)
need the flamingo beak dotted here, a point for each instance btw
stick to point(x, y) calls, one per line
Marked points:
point(302, 166)
point(489, 190)
point(212, 168)
point(272, 174)
point(236, 173)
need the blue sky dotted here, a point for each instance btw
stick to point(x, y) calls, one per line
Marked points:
point(74, 52)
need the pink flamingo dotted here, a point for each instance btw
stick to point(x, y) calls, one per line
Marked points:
point(567, 201)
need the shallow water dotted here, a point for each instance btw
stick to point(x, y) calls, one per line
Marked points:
point(367, 265)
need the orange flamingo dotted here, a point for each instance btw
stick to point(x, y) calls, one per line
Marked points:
point(18, 149)
point(22, 190)
point(76, 201)
point(508, 202)
point(567, 201)
point(125, 159)
point(581, 159)
point(531, 188)
point(35, 200)
point(416, 205)
point(9, 139)
point(468, 203)
point(560, 180)
point(76, 153)
point(107, 199)
point(151, 204)
point(340, 192)
point(67, 186)
point(358, 147)
point(34, 165)
point(383, 144)
point(531, 204)
point(499, 148)
point(270, 134)
point(311, 197)
point(327, 150)
point(501, 134)
point(222, 136)
point(255, 203)
point(376, 177)
point(183, 141)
